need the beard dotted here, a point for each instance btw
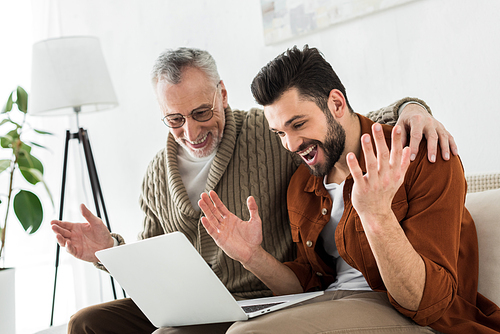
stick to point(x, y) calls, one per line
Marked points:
point(333, 146)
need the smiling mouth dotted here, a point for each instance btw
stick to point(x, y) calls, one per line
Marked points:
point(198, 143)
point(309, 154)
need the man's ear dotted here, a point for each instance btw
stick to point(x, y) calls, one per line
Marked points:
point(224, 94)
point(337, 104)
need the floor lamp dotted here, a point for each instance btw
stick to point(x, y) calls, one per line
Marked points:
point(69, 76)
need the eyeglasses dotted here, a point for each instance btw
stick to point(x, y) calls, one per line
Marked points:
point(200, 115)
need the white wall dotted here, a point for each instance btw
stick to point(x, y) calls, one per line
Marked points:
point(443, 51)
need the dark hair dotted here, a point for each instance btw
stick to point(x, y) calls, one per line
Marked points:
point(306, 70)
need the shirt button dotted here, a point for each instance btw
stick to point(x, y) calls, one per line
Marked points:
point(309, 243)
point(324, 211)
point(319, 274)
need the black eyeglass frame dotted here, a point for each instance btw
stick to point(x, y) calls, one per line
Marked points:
point(192, 114)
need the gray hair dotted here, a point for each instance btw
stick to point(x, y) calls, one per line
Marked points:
point(170, 63)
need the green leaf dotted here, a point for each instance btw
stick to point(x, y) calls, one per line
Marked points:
point(37, 145)
point(5, 121)
point(28, 210)
point(26, 163)
point(4, 164)
point(16, 124)
point(22, 99)
point(43, 132)
point(8, 105)
point(25, 148)
point(32, 175)
point(7, 140)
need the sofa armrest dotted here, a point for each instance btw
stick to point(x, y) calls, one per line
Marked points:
point(485, 210)
point(482, 182)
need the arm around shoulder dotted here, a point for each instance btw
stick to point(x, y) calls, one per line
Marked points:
point(390, 114)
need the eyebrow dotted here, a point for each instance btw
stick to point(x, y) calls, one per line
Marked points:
point(287, 123)
point(203, 106)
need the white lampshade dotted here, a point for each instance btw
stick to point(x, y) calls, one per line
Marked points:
point(69, 73)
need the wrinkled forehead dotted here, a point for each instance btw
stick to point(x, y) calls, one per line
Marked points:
point(192, 92)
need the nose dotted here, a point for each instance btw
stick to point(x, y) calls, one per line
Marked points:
point(191, 129)
point(291, 143)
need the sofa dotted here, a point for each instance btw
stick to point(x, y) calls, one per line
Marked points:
point(483, 202)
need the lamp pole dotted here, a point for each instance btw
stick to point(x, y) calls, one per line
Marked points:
point(83, 139)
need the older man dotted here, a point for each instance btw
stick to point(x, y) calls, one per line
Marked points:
point(390, 241)
point(209, 147)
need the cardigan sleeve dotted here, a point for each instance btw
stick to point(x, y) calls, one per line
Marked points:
point(390, 114)
point(151, 223)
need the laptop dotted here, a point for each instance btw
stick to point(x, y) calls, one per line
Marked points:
point(173, 285)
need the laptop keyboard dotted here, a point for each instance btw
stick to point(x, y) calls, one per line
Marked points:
point(258, 307)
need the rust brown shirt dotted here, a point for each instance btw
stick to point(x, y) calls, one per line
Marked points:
point(430, 208)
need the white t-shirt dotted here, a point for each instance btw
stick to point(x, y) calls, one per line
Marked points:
point(348, 278)
point(194, 173)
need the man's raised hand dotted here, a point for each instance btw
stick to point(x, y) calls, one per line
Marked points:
point(373, 191)
point(82, 240)
point(237, 238)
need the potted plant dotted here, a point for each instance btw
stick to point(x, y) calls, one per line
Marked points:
point(16, 160)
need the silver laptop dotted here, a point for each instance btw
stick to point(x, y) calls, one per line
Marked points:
point(173, 286)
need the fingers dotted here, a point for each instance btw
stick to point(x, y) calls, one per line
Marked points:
point(383, 154)
point(404, 136)
point(431, 134)
point(400, 158)
point(61, 224)
point(353, 164)
point(210, 211)
point(59, 229)
point(253, 208)
point(218, 204)
point(453, 145)
point(209, 222)
point(416, 132)
point(62, 231)
point(211, 229)
point(385, 160)
point(396, 147)
point(61, 240)
point(405, 160)
point(88, 215)
point(447, 144)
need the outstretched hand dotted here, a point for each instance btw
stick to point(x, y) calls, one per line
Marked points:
point(373, 192)
point(237, 238)
point(82, 240)
point(416, 122)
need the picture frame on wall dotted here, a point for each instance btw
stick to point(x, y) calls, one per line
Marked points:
point(285, 19)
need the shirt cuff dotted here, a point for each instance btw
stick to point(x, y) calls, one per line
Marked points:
point(407, 103)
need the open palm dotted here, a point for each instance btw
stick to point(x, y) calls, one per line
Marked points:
point(237, 238)
point(82, 240)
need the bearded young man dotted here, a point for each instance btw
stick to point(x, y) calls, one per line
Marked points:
point(389, 241)
point(209, 146)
